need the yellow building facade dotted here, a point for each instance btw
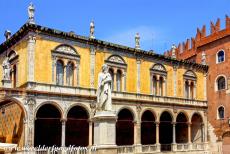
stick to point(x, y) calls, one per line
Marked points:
point(160, 102)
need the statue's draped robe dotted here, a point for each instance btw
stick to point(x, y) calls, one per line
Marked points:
point(104, 92)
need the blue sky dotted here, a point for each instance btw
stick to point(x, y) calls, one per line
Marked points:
point(160, 23)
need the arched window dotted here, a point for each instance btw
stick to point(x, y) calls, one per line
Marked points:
point(112, 76)
point(220, 56)
point(69, 74)
point(221, 112)
point(118, 80)
point(221, 83)
point(154, 85)
point(59, 72)
point(190, 84)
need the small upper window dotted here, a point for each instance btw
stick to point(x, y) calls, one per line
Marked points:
point(220, 56)
point(221, 112)
point(221, 83)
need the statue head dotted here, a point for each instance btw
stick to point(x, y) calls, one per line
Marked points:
point(105, 68)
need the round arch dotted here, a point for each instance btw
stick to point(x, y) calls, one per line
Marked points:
point(48, 125)
point(216, 81)
point(148, 128)
point(77, 104)
point(170, 113)
point(12, 115)
point(197, 128)
point(130, 109)
point(52, 103)
point(77, 126)
point(152, 111)
point(125, 127)
point(166, 130)
point(182, 127)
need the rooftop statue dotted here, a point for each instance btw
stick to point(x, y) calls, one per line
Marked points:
point(6, 69)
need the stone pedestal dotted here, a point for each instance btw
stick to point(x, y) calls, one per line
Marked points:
point(6, 83)
point(105, 132)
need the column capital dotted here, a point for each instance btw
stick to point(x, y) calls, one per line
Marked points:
point(63, 120)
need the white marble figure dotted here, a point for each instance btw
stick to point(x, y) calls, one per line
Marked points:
point(104, 100)
point(6, 69)
point(92, 28)
point(31, 11)
point(137, 41)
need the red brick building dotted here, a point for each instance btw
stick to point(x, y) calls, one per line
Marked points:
point(212, 49)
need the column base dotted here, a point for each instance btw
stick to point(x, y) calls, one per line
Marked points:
point(138, 148)
point(158, 147)
point(106, 149)
point(105, 129)
point(174, 147)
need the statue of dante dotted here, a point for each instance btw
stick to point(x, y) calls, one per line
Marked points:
point(104, 100)
point(6, 69)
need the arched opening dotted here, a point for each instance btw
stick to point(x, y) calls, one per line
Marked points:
point(118, 78)
point(69, 73)
point(226, 142)
point(111, 72)
point(77, 127)
point(221, 112)
point(148, 128)
point(220, 56)
point(196, 129)
point(60, 73)
point(48, 126)
point(11, 123)
point(181, 128)
point(154, 85)
point(125, 128)
point(166, 130)
point(221, 83)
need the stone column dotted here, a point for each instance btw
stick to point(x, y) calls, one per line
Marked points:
point(30, 57)
point(157, 137)
point(189, 89)
point(174, 147)
point(54, 60)
point(164, 87)
point(115, 79)
point(194, 90)
point(138, 75)
point(157, 85)
point(92, 66)
point(75, 74)
point(189, 136)
point(64, 72)
point(137, 136)
point(90, 133)
point(63, 122)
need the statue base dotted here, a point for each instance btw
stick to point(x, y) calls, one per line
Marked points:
point(6, 83)
point(105, 132)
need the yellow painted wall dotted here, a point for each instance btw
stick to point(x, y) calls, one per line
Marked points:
point(43, 69)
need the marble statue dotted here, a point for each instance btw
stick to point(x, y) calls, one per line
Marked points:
point(92, 28)
point(104, 100)
point(137, 41)
point(6, 69)
point(173, 51)
point(31, 11)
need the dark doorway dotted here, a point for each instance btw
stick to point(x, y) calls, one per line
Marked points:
point(77, 127)
point(166, 131)
point(148, 128)
point(48, 126)
point(125, 128)
point(181, 128)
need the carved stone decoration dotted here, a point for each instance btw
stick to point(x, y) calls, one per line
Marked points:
point(7, 34)
point(190, 74)
point(104, 98)
point(92, 29)
point(31, 11)
point(203, 58)
point(93, 108)
point(66, 49)
point(31, 105)
point(139, 108)
point(116, 59)
point(159, 67)
point(6, 69)
point(173, 51)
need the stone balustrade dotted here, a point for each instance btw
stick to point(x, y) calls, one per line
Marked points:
point(90, 92)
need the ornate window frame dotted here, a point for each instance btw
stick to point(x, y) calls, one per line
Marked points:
point(159, 71)
point(116, 63)
point(13, 59)
point(67, 54)
point(190, 77)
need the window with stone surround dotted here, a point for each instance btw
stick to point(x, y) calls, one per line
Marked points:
point(158, 75)
point(221, 83)
point(190, 84)
point(65, 65)
point(220, 57)
point(220, 113)
point(13, 59)
point(117, 70)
